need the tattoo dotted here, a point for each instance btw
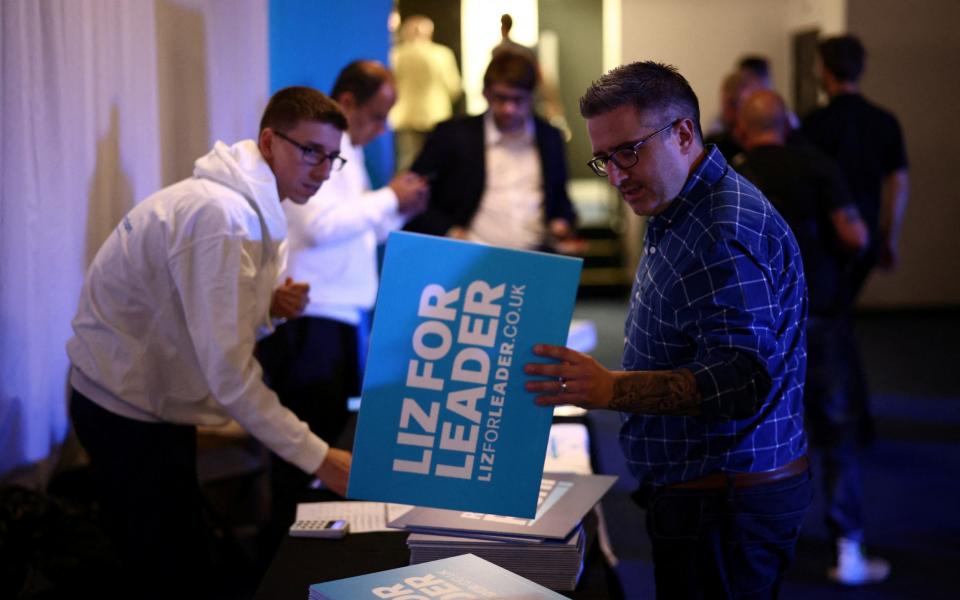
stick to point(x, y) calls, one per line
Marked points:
point(657, 393)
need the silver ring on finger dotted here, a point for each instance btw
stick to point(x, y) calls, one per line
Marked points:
point(563, 385)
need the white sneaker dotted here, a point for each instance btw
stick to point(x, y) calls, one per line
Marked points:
point(854, 567)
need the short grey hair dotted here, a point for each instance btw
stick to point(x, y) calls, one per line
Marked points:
point(647, 86)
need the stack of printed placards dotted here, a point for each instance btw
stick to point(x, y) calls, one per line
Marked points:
point(547, 549)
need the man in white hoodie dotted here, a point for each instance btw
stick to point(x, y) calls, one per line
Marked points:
point(164, 335)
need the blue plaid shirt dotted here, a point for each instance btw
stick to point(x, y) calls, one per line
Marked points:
point(719, 291)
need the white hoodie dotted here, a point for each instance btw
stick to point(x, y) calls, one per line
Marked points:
point(173, 302)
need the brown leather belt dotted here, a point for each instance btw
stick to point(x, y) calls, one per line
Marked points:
point(719, 481)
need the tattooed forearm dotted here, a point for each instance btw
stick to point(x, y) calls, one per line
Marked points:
point(657, 392)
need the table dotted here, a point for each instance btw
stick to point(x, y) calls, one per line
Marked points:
point(301, 562)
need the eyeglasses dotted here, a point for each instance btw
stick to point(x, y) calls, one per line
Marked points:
point(314, 156)
point(500, 98)
point(624, 158)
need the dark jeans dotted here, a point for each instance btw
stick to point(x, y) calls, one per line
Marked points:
point(145, 476)
point(838, 419)
point(729, 543)
point(312, 364)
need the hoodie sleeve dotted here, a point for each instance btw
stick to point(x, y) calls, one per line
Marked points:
point(269, 323)
point(216, 280)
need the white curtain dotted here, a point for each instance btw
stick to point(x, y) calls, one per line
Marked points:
point(102, 102)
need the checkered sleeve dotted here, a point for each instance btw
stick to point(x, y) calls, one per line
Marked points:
point(727, 307)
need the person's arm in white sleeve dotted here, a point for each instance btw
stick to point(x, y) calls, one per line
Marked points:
point(334, 214)
point(336, 217)
point(216, 281)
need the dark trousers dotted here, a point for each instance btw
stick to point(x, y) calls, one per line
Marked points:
point(727, 543)
point(838, 419)
point(312, 365)
point(146, 481)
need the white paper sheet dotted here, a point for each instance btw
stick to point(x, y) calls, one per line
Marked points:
point(363, 516)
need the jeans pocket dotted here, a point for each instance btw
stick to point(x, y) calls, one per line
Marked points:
point(774, 530)
point(765, 527)
point(762, 550)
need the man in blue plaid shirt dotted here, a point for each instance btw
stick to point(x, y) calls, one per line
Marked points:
point(714, 359)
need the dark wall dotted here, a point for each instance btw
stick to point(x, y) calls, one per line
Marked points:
point(446, 20)
point(912, 53)
point(579, 25)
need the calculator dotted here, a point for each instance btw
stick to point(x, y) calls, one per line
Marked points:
point(319, 528)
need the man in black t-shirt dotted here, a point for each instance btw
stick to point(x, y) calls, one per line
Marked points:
point(867, 143)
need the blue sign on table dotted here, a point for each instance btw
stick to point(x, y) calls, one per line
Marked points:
point(445, 420)
point(464, 576)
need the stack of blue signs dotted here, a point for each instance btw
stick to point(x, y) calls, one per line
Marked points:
point(548, 549)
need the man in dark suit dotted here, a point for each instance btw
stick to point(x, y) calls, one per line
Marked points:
point(498, 178)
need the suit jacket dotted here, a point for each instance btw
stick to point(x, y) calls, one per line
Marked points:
point(454, 157)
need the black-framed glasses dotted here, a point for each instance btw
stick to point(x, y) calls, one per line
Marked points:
point(315, 156)
point(626, 157)
point(500, 98)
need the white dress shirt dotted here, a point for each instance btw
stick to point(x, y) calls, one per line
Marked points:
point(511, 208)
point(333, 239)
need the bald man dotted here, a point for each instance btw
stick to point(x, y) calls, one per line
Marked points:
point(735, 88)
point(809, 190)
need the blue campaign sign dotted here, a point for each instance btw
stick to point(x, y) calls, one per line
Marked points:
point(444, 420)
point(464, 576)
